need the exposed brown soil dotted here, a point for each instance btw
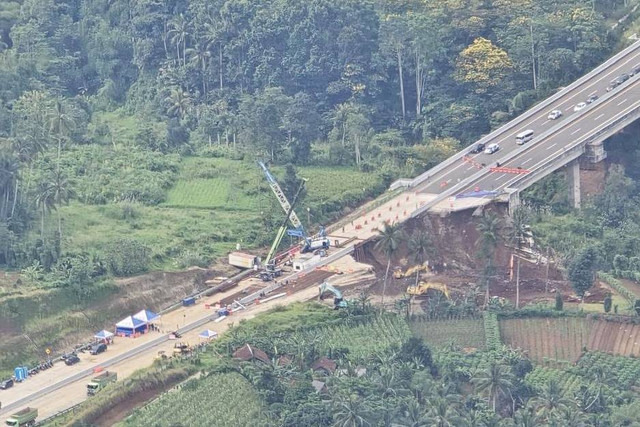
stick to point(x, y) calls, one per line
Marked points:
point(592, 180)
point(457, 264)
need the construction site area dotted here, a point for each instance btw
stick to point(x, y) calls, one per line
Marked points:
point(338, 264)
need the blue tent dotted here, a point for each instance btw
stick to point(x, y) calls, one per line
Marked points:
point(130, 326)
point(146, 316)
point(103, 335)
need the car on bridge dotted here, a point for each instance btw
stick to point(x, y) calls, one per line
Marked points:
point(491, 148)
point(635, 70)
point(478, 148)
point(591, 99)
point(555, 114)
point(579, 106)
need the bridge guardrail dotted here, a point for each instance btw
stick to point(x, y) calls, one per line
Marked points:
point(527, 114)
point(582, 141)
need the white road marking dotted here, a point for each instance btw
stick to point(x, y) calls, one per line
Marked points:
point(575, 131)
point(593, 93)
point(598, 117)
point(470, 167)
point(527, 161)
point(546, 121)
point(623, 101)
point(551, 146)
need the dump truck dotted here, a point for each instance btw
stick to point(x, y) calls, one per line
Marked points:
point(100, 382)
point(25, 417)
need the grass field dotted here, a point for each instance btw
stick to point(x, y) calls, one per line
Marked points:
point(462, 333)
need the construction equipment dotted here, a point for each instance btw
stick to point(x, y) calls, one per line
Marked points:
point(423, 287)
point(270, 269)
point(399, 274)
point(181, 348)
point(25, 417)
point(338, 301)
point(100, 382)
point(310, 244)
point(162, 355)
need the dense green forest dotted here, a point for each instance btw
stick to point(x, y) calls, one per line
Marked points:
point(100, 100)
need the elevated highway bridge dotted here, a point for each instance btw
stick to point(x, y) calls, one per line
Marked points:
point(467, 180)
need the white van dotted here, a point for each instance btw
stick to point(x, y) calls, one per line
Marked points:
point(523, 137)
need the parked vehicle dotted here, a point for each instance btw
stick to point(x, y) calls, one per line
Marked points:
point(478, 148)
point(25, 417)
point(71, 359)
point(100, 382)
point(491, 148)
point(98, 348)
point(555, 114)
point(579, 106)
point(6, 384)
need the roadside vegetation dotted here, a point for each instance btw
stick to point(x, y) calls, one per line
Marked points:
point(402, 378)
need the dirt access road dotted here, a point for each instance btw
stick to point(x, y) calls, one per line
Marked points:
point(61, 386)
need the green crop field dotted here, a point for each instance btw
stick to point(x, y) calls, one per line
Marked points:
point(463, 333)
point(219, 400)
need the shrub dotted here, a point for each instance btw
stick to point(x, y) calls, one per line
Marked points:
point(607, 304)
point(126, 257)
point(559, 303)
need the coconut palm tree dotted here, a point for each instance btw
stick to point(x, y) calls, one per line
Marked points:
point(199, 56)
point(9, 168)
point(61, 123)
point(389, 240)
point(414, 415)
point(351, 412)
point(61, 192)
point(45, 201)
point(495, 381)
point(518, 226)
point(420, 246)
point(179, 32)
point(550, 399)
point(526, 417)
point(443, 413)
point(489, 229)
point(179, 102)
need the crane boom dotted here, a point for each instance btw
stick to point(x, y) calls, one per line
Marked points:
point(283, 227)
point(286, 206)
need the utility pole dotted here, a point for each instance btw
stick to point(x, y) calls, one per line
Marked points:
point(308, 216)
point(518, 284)
point(546, 280)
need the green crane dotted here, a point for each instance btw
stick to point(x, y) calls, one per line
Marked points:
point(283, 228)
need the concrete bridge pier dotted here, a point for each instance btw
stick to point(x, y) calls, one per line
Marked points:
point(514, 200)
point(573, 181)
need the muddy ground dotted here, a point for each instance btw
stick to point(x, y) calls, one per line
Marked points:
point(455, 242)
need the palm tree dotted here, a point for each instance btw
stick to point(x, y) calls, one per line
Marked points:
point(9, 168)
point(489, 229)
point(212, 35)
point(351, 412)
point(518, 226)
point(414, 415)
point(443, 413)
point(420, 246)
point(495, 381)
point(389, 239)
point(45, 200)
point(199, 56)
point(61, 192)
point(179, 102)
point(550, 399)
point(179, 33)
point(526, 417)
point(61, 124)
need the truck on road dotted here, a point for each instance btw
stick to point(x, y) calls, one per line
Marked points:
point(100, 382)
point(25, 417)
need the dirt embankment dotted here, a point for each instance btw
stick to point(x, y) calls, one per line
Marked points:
point(455, 241)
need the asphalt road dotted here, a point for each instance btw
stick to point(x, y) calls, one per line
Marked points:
point(588, 121)
point(538, 122)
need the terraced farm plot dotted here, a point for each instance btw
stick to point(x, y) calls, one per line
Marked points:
point(465, 333)
point(224, 400)
point(614, 337)
point(554, 339)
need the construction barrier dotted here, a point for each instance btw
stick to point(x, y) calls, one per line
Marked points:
point(503, 169)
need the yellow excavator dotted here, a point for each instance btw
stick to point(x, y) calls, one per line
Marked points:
point(423, 287)
point(399, 274)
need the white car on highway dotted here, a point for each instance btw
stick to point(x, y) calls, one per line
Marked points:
point(554, 114)
point(579, 106)
point(491, 148)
